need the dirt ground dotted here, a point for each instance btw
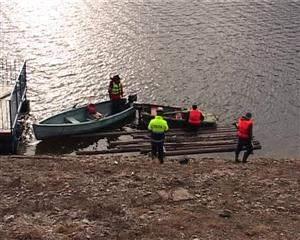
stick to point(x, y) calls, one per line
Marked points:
point(134, 197)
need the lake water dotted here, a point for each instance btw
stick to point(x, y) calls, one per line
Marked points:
point(229, 57)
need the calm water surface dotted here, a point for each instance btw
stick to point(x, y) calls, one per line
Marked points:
point(227, 56)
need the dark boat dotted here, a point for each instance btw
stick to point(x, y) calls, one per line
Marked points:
point(175, 116)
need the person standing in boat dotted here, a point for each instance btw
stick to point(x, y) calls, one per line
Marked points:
point(158, 126)
point(244, 130)
point(194, 118)
point(115, 91)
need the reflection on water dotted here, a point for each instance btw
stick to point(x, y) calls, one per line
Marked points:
point(65, 145)
point(71, 144)
point(229, 57)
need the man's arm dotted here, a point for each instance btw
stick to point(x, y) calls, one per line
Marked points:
point(150, 126)
point(201, 116)
point(250, 131)
point(167, 126)
point(188, 116)
point(121, 85)
point(235, 124)
point(109, 89)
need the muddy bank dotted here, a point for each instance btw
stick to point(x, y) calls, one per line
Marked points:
point(55, 197)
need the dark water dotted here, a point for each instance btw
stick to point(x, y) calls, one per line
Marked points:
point(227, 56)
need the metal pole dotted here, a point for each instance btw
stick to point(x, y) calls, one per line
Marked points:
point(10, 115)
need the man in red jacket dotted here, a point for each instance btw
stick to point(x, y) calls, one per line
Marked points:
point(195, 118)
point(244, 127)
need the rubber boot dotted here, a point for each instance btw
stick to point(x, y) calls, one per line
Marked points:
point(237, 158)
point(246, 155)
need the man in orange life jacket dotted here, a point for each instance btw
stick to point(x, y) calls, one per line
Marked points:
point(244, 127)
point(115, 91)
point(195, 118)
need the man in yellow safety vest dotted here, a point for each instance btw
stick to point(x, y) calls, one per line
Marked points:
point(158, 126)
point(115, 91)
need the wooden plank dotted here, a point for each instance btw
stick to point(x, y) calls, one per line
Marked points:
point(196, 138)
point(139, 105)
point(4, 95)
point(173, 152)
point(108, 151)
point(169, 144)
point(4, 116)
point(5, 90)
point(143, 132)
point(71, 120)
point(186, 133)
point(196, 148)
point(206, 150)
point(188, 144)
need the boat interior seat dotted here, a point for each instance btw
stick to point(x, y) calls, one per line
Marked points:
point(71, 120)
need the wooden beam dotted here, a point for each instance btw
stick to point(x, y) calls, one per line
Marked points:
point(137, 142)
point(200, 148)
point(186, 134)
point(169, 144)
point(206, 150)
point(108, 151)
point(191, 138)
point(179, 131)
point(170, 152)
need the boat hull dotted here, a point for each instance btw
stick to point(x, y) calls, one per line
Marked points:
point(56, 126)
point(175, 116)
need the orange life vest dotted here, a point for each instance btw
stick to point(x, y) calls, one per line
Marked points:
point(243, 127)
point(195, 117)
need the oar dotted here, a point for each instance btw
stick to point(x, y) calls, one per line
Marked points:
point(171, 113)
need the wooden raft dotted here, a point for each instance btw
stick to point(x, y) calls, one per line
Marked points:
point(178, 142)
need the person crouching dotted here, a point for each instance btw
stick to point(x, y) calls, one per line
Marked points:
point(195, 117)
point(92, 113)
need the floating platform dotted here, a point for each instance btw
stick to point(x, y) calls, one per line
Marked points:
point(177, 142)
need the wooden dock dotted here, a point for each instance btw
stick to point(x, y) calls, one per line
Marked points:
point(5, 91)
point(178, 142)
point(12, 101)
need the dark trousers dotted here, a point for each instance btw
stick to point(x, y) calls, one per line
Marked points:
point(158, 150)
point(243, 142)
point(193, 128)
point(116, 105)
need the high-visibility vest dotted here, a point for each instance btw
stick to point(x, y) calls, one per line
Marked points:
point(194, 117)
point(116, 88)
point(158, 125)
point(244, 126)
